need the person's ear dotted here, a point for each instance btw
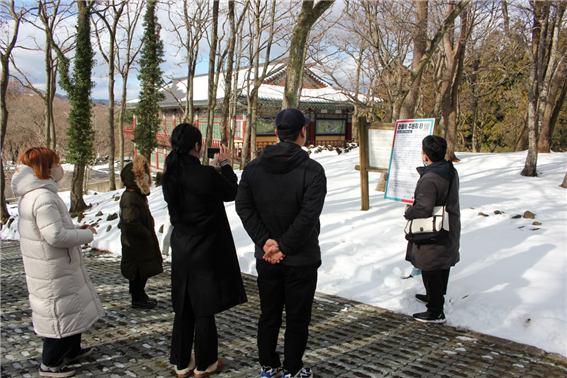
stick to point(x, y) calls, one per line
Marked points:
point(302, 132)
point(197, 148)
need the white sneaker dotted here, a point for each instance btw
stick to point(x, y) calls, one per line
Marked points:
point(269, 372)
point(303, 373)
point(58, 372)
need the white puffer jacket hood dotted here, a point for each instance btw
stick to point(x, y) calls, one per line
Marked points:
point(62, 297)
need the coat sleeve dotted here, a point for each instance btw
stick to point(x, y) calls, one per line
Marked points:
point(225, 184)
point(308, 216)
point(425, 198)
point(50, 225)
point(130, 219)
point(248, 213)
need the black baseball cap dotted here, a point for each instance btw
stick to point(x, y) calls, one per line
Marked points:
point(289, 121)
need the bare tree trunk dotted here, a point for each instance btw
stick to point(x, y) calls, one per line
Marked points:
point(50, 100)
point(564, 183)
point(247, 134)
point(530, 167)
point(234, 101)
point(5, 54)
point(407, 110)
point(253, 116)
point(195, 25)
point(557, 108)
point(476, 141)
point(555, 68)
point(125, 62)
point(224, 125)
point(522, 139)
point(212, 97)
point(78, 204)
point(4, 125)
point(307, 18)
point(552, 106)
point(555, 79)
point(450, 89)
point(48, 89)
point(107, 18)
point(506, 18)
point(111, 129)
point(121, 128)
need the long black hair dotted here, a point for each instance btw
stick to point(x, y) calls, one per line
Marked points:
point(183, 139)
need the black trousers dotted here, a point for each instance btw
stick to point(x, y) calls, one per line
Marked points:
point(137, 288)
point(55, 350)
point(293, 288)
point(435, 282)
point(202, 329)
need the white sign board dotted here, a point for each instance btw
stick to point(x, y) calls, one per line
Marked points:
point(406, 157)
point(380, 148)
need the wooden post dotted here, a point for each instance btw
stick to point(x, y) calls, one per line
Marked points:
point(363, 150)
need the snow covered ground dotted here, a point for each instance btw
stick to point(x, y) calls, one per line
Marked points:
point(512, 278)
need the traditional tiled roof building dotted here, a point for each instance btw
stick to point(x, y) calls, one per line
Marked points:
point(328, 108)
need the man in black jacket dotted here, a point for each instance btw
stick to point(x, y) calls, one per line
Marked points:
point(279, 201)
point(437, 186)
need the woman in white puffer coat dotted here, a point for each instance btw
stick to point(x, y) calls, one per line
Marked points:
point(63, 300)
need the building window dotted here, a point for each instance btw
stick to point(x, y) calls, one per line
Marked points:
point(169, 125)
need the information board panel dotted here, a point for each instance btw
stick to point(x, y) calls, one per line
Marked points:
point(406, 157)
point(380, 147)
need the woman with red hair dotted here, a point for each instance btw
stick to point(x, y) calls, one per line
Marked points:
point(63, 300)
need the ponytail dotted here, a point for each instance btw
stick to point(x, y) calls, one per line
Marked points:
point(183, 139)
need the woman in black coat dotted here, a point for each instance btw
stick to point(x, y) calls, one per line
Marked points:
point(205, 274)
point(141, 257)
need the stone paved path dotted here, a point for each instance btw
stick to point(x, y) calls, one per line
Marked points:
point(347, 339)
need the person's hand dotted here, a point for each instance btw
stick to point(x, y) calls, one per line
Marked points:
point(271, 246)
point(88, 227)
point(274, 258)
point(215, 162)
point(272, 253)
point(224, 154)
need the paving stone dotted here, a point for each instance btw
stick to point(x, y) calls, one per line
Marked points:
point(347, 339)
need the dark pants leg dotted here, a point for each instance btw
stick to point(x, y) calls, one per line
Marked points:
point(55, 350)
point(203, 329)
point(137, 288)
point(435, 283)
point(206, 342)
point(300, 285)
point(272, 298)
point(182, 336)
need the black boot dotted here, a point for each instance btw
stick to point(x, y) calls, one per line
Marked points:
point(144, 303)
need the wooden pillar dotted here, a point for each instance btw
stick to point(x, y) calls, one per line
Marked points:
point(363, 151)
point(313, 125)
point(348, 126)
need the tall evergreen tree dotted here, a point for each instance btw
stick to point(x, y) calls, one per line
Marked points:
point(147, 110)
point(78, 86)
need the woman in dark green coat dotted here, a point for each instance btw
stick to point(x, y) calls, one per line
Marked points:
point(141, 257)
point(205, 274)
